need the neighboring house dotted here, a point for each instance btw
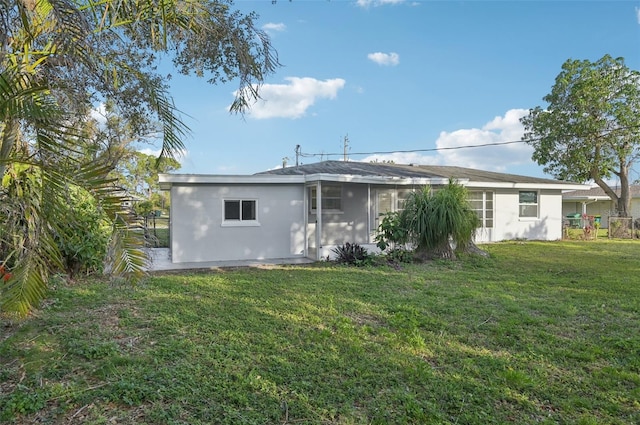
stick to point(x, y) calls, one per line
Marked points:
point(128, 199)
point(275, 214)
point(595, 201)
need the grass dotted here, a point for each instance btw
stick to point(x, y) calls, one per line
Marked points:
point(538, 333)
point(161, 235)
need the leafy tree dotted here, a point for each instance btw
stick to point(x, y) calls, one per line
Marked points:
point(139, 175)
point(112, 141)
point(590, 129)
point(61, 58)
point(143, 208)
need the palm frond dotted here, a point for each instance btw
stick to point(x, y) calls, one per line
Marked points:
point(27, 285)
point(126, 254)
point(21, 95)
point(31, 222)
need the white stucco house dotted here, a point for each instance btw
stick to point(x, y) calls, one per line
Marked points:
point(594, 201)
point(307, 210)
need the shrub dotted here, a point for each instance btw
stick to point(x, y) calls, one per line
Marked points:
point(352, 254)
point(434, 219)
point(399, 255)
point(390, 232)
point(83, 245)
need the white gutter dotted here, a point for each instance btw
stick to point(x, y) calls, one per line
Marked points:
point(167, 180)
point(532, 185)
point(589, 199)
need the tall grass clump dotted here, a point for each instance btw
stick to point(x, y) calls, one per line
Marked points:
point(437, 223)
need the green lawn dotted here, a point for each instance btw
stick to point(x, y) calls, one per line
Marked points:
point(538, 333)
point(161, 237)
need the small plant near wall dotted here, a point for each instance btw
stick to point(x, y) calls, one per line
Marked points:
point(392, 239)
point(391, 234)
point(596, 226)
point(591, 226)
point(352, 254)
point(399, 255)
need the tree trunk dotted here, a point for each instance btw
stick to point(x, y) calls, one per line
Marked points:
point(9, 136)
point(473, 249)
point(441, 252)
point(624, 202)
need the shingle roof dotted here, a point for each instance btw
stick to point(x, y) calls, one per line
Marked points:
point(599, 192)
point(406, 171)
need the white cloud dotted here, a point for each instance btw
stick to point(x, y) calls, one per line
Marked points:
point(389, 59)
point(150, 151)
point(99, 113)
point(292, 100)
point(453, 150)
point(498, 158)
point(638, 14)
point(368, 3)
point(273, 27)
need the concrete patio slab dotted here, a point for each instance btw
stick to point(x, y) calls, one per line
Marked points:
point(161, 261)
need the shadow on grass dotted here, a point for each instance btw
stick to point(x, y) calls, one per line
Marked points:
point(525, 337)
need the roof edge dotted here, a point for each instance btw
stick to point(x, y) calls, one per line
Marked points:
point(168, 180)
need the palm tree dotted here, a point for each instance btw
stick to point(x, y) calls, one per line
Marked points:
point(437, 221)
point(58, 59)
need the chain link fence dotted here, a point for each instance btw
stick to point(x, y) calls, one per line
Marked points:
point(156, 231)
point(624, 228)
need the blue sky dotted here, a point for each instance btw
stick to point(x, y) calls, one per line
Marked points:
point(395, 75)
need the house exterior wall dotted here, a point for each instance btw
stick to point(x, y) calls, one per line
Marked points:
point(635, 208)
point(347, 225)
point(509, 225)
point(198, 233)
point(506, 223)
point(602, 208)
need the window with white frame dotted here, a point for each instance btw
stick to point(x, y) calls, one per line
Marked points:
point(391, 200)
point(528, 203)
point(331, 198)
point(482, 203)
point(401, 196)
point(240, 210)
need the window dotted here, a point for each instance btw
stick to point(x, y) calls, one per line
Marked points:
point(331, 198)
point(240, 210)
point(391, 200)
point(401, 196)
point(482, 203)
point(528, 204)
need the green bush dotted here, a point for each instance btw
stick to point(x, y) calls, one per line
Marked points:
point(399, 255)
point(390, 232)
point(83, 245)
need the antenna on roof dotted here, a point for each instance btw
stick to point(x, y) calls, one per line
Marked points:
point(346, 148)
point(297, 154)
